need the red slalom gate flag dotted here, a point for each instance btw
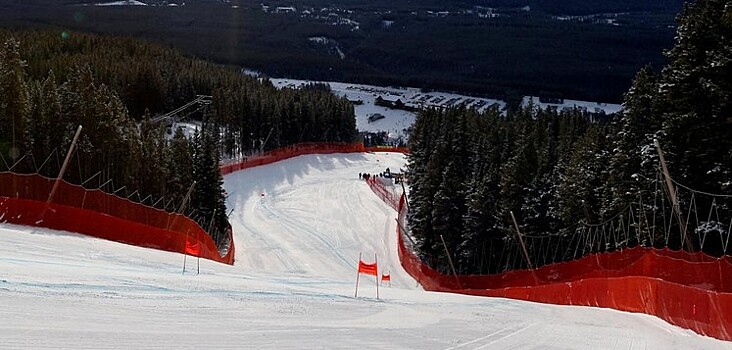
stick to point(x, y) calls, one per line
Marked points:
point(193, 248)
point(368, 269)
point(386, 278)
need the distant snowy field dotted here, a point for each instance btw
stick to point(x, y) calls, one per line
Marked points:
point(592, 107)
point(291, 287)
point(397, 121)
point(122, 3)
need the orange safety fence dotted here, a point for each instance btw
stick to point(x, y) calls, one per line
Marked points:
point(693, 291)
point(23, 201)
point(386, 194)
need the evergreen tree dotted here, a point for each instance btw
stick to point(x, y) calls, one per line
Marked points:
point(479, 228)
point(581, 188)
point(423, 167)
point(637, 126)
point(208, 195)
point(180, 167)
point(14, 101)
point(696, 95)
point(152, 170)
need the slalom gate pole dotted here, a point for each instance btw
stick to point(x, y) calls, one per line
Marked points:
point(185, 254)
point(199, 266)
point(357, 274)
point(377, 275)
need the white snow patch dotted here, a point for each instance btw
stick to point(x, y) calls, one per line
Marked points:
point(123, 3)
point(396, 121)
point(593, 107)
point(321, 40)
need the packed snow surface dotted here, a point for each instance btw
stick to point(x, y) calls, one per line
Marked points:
point(299, 226)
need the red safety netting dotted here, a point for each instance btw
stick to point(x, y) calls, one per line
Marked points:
point(387, 193)
point(693, 291)
point(96, 213)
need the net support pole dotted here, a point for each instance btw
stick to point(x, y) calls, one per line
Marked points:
point(674, 198)
point(64, 166)
point(358, 273)
point(405, 232)
point(57, 182)
point(377, 275)
point(449, 259)
point(521, 240)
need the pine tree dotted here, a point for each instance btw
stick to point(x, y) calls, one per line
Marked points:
point(423, 168)
point(696, 91)
point(479, 227)
point(208, 195)
point(152, 159)
point(633, 160)
point(180, 167)
point(580, 190)
point(14, 100)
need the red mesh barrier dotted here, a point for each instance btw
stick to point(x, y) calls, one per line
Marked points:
point(693, 291)
point(386, 193)
point(99, 214)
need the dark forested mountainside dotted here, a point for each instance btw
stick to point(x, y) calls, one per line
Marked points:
point(578, 187)
point(52, 81)
point(505, 50)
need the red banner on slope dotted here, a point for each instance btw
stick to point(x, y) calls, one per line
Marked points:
point(193, 248)
point(368, 269)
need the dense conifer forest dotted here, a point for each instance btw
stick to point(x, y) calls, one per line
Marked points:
point(585, 50)
point(53, 81)
point(561, 171)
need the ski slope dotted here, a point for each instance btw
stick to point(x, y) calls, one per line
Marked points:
point(291, 287)
point(311, 216)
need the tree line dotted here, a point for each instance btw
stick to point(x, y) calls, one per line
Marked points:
point(556, 169)
point(53, 81)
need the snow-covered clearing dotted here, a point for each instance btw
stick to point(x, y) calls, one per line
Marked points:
point(291, 287)
point(397, 122)
point(122, 3)
point(592, 107)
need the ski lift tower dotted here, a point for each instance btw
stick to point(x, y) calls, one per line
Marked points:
point(183, 111)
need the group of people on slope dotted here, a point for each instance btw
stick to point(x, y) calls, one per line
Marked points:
point(366, 176)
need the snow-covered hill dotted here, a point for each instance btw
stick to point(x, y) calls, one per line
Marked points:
point(291, 287)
